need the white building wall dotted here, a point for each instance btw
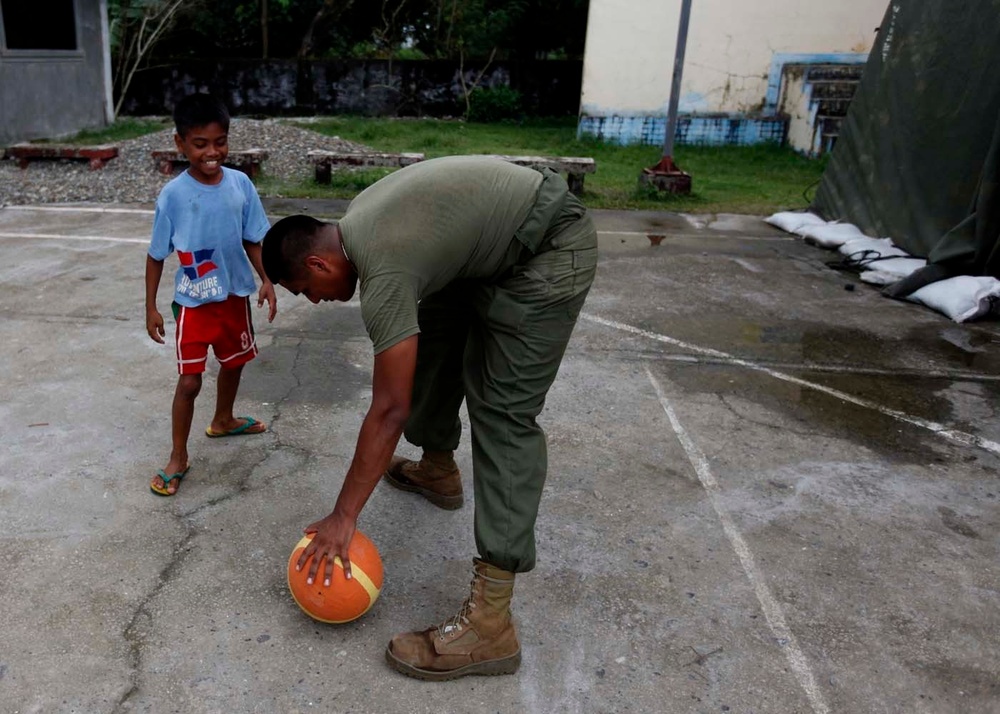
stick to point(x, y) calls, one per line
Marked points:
point(733, 49)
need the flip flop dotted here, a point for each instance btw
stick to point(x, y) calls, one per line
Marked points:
point(243, 428)
point(166, 481)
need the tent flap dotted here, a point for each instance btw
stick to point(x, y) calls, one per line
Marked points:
point(918, 158)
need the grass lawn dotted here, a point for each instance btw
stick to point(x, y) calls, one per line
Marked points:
point(121, 130)
point(755, 179)
point(729, 179)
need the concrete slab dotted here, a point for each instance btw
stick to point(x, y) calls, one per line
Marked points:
point(767, 493)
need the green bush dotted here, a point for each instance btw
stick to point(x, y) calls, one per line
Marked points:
point(494, 104)
point(409, 53)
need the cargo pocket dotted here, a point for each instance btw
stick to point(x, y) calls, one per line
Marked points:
point(584, 267)
point(511, 300)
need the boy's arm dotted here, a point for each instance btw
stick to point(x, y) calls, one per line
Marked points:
point(154, 320)
point(266, 288)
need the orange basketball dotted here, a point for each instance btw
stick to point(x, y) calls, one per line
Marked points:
point(344, 600)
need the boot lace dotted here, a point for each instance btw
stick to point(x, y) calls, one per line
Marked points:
point(461, 619)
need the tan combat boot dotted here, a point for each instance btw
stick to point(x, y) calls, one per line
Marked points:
point(480, 639)
point(435, 477)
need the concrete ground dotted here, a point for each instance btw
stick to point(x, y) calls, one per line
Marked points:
point(770, 490)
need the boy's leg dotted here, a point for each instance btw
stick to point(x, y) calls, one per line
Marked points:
point(234, 346)
point(227, 387)
point(192, 351)
point(181, 414)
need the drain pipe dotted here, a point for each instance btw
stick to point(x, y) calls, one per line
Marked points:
point(666, 175)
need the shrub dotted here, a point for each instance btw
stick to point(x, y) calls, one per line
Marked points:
point(494, 104)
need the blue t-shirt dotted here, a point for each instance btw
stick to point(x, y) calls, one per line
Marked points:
point(207, 225)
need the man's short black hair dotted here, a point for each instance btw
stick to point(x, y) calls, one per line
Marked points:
point(197, 110)
point(287, 244)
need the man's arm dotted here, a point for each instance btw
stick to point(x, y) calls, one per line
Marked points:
point(154, 320)
point(392, 389)
point(266, 291)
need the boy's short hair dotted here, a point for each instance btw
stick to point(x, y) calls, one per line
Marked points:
point(287, 244)
point(197, 110)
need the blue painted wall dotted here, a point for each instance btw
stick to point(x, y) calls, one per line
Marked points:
point(707, 129)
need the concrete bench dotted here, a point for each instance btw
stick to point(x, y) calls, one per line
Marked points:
point(575, 167)
point(97, 156)
point(325, 161)
point(248, 161)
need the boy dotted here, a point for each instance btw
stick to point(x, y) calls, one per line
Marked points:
point(213, 218)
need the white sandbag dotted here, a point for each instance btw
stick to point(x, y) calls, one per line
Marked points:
point(874, 277)
point(962, 298)
point(875, 247)
point(792, 221)
point(898, 267)
point(831, 235)
point(888, 271)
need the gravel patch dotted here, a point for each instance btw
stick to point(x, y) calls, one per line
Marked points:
point(132, 177)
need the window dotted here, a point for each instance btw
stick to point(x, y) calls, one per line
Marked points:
point(39, 24)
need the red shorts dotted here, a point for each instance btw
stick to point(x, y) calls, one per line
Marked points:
point(226, 326)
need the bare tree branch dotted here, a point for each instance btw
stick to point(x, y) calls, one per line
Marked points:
point(135, 42)
point(466, 89)
point(325, 10)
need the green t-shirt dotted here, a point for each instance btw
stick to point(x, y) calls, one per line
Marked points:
point(425, 226)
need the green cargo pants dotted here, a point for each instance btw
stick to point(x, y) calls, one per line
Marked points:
point(498, 346)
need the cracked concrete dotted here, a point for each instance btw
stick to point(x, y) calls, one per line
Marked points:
point(766, 494)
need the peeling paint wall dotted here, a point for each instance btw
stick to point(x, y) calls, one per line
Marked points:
point(733, 46)
point(815, 97)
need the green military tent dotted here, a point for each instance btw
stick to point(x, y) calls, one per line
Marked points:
point(918, 158)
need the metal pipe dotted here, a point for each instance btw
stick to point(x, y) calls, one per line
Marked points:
point(675, 88)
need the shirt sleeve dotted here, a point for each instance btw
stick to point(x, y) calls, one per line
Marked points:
point(162, 243)
point(389, 310)
point(255, 223)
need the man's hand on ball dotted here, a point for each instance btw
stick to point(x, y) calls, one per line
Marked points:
point(331, 538)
